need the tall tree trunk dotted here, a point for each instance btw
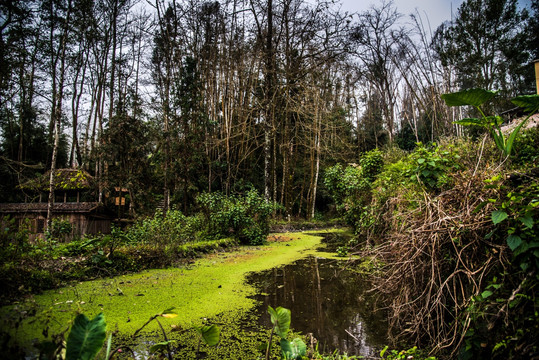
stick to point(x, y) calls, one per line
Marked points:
point(318, 126)
point(56, 115)
point(268, 103)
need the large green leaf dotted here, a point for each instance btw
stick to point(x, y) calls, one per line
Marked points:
point(530, 103)
point(470, 122)
point(527, 220)
point(498, 216)
point(280, 318)
point(86, 337)
point(161, 347)
point(514, 241)
point(294, 349)
point(474, 97)
point(485, 294)
point(210, 334)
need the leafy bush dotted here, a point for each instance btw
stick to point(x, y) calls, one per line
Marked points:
point(516, 216)
point(526, 149)
point(350, 187)
point(13, 239)
point(503, 316)
point(371, 165)
point(430, 165)
point(171, 228)
point(244, 217)
point(60, 230)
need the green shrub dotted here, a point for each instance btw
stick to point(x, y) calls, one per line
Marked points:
point(371, 164)
point(244, 217)
point(13, 239)
point(350, 187)
point(60, 230)
point(171, 228)
point(526, 148)
point(429, 166)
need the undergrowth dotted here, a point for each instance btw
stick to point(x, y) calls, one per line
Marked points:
point(455, 226)
point(156, 242)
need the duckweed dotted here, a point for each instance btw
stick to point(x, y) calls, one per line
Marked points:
point(211, 288)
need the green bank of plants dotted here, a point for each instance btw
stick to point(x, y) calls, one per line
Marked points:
point(244, 217)
point(159, 241)
point(455, 225)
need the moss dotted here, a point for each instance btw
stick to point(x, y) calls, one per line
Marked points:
point(210, 287)
point(65, 179)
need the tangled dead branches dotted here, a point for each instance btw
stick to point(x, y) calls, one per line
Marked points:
point(436, 259)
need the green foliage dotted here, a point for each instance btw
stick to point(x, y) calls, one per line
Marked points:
point(341, 183)
point(13, 238)
point(171, 228)
point(473, 97)
point(342, 251)
point(350, 187)
point(518, 211)
point(530, 103)
point(412, 353)
point(244, 217)
point(477, 98)
point(59, 231)
point(511, 293)
point(294, 349)
point(86, 337)
point(353, 180)
point(526, 149)
point(371, 164)
point(429, 166)
point(280, 318)
point(209, 334)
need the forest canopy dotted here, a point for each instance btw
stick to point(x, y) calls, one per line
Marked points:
point(170, 99)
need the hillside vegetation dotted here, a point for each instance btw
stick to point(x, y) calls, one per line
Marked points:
point(455, 226)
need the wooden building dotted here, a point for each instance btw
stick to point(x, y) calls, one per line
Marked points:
point(74, 192)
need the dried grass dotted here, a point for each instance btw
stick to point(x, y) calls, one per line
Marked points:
point(437, 259)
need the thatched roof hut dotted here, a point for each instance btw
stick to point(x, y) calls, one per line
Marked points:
point(64, 179)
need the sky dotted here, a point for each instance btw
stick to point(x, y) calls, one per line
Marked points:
point(437, 11)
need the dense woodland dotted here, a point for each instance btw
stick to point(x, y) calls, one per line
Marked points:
point(172, 98)
point(233, 115)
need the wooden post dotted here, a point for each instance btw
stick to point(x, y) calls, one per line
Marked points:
point(536, 62)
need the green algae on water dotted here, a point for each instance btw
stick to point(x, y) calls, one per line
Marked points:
point(213, 286)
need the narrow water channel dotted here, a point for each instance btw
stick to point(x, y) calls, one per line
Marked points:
point(326, 299)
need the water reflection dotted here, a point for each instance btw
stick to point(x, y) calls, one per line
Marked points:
point(326, 300)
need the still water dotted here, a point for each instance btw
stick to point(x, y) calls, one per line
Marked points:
point(327, 299)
